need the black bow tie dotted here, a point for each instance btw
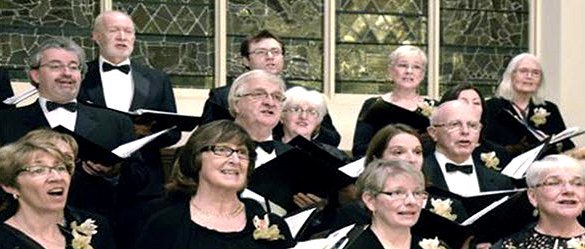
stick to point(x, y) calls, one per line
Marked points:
point(123, 68)
point(71, 106)
point(267, 146)
point(467, 169)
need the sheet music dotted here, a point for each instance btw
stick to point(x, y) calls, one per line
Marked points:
point(296, 222)
point(518, 166)
point(19, 98)
point(484, 211)
point(567, 133)
point(354, 169)
point(125, 150)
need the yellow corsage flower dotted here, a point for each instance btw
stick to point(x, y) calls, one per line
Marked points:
point(431, 244)
point(426, 108)
point(443, 208)
point(490, 160)
point(82, 234)
point(264, 230)
point(576, 243)
point(539, 116)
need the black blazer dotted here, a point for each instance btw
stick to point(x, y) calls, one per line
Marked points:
point(105, 128)
point(5, 89)
point(488, 180)
point(216, 107)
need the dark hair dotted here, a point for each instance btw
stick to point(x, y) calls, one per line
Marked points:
point(381, 139)
point(264, 34)
point(185, 173)
point(34, 60)
point(453, 93)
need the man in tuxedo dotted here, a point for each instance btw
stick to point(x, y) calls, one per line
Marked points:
point(56, 71)
point(262, 51)
point(5, 89)
point(114, 81)
point(455, 128)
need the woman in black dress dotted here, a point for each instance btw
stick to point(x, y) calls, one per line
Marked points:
point(213, 167)
point(403, 104)
point(518, 110)
point(35, 173)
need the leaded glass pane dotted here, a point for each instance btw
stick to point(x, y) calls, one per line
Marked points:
point(367, 32)
point(25, 24)
point(299, 23)
point(176, 36)
point(478, 38)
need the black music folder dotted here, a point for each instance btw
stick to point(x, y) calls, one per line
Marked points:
point(296, 172)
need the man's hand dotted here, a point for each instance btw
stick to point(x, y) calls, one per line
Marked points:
point(96, 169)
point(304, 200)
point(143, 129)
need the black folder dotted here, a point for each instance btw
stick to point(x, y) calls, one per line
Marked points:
point(90, 151)
point(315, 151)
point(382, 113)
point(296, 172)
point(162, 119)
point(505, 219)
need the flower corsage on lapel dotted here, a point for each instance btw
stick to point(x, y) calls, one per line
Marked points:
point(539, 116)
point(443, 208)
point(431, 244)
point(264, 230)
point(490, 160)
point(576, 243)
point(82, 234)
point(426, 107)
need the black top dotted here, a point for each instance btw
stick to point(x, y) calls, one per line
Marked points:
point(172, 227)
point(530, 238)
point(501, 127)
point(368, 240)
point(5, 89)
point(377, 113)
point(11, 237)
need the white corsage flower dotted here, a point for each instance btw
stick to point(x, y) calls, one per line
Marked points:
point(490, 160)
point(576, 243)
point(431, 244)
point(426, 108)
point(443, 208)
point(82, 234)
point(539, 116)
point(264, 230)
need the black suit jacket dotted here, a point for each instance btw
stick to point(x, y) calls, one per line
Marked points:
point(5, 89)
point(488, 180)
point(216, 107)
point(152, 90)
point(105, 128)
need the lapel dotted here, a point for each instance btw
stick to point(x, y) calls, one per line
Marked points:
point(141, 87)
point(281, 147)
point(86, 120)
point(485, 180)
point(433, 174)
point(33, 117)
point(93, 84)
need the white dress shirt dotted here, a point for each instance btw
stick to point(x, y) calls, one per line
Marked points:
point(118, 86)
point(457, 181)
point(59, 116)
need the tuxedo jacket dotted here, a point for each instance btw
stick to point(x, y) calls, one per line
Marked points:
point(488, 179)
point(103, 127)
point(216, 107)
point(152, 90)
point(5, 89)
point(502, 129)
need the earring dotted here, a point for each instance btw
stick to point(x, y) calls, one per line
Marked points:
point(15, 196)
point(535, 212)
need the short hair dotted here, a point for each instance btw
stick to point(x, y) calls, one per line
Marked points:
point(506, 89)
point(453, 94)
point(263, 34)
point(382, 138)
point(298, 95)
point(185, 173)
point(237, 88)
point(551, 163)
point(374, 176)
point(98, 23)
point(406, 50)
point(34, 60)
point(48, 135)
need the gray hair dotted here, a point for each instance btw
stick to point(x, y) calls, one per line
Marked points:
point(506, 89)
point(238, 87)
point(375, 174)
point(99, 20)
point(551, 163)
point(299, 95)
point(406, 50)
point(34, 60)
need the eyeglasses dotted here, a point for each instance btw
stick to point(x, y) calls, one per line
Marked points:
point(402, 195)
point(527, 71)
point(43, 170)
point(226, 151)
point(56, 66)
point(262, 95)
point(264, 52)
point(458, 125)
point(406, 66)
point(297, 110)
point(555, 184)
